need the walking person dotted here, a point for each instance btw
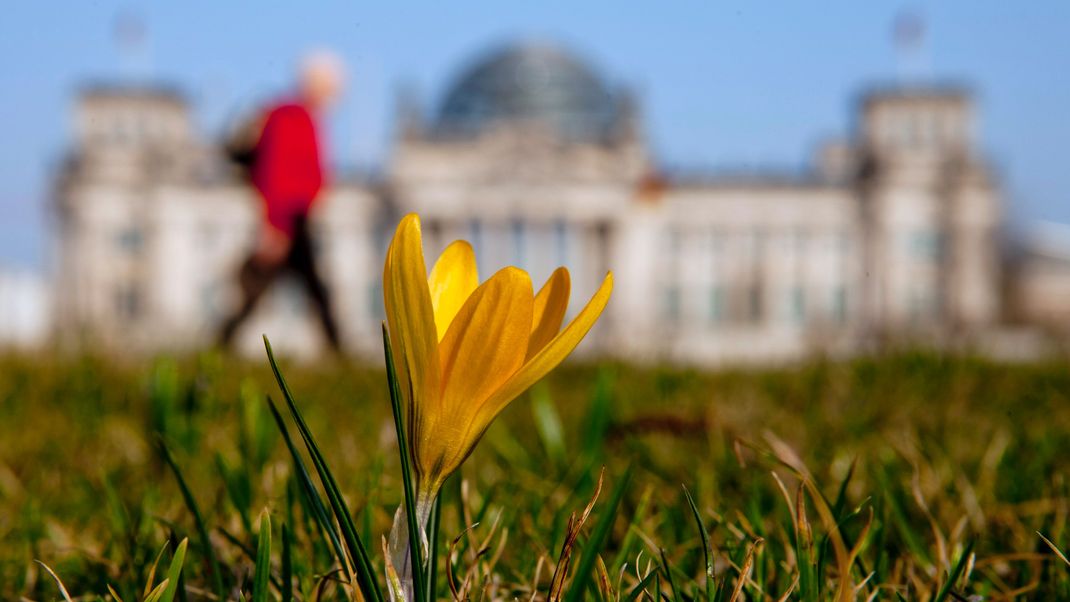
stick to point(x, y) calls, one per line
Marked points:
point(286, 167)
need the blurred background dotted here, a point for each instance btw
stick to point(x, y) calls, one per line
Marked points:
point(767, 182)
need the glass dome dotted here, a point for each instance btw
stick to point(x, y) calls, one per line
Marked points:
point(530, 83)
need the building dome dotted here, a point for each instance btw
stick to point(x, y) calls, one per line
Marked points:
point(531, 83)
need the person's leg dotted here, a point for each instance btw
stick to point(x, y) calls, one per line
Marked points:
point(254, 278)
point(303, 263)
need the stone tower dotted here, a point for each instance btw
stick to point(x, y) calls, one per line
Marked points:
point(929, 211)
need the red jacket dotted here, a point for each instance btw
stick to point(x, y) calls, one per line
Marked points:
point(287, 171)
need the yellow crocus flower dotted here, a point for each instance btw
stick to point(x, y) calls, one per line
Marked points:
point(464, 350)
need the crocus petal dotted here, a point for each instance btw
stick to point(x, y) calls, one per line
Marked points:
point(550, 306)
point(452, 280)
point(551, 355)
point(409, 315)
point(486, 343)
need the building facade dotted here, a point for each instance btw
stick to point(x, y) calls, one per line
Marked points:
point(894, 233)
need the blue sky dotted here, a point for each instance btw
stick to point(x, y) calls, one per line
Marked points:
point(745, 84)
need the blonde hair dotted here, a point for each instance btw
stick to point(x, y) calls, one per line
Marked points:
point(321, 73)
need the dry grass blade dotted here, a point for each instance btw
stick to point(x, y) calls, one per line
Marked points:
point(330, 577)
point(59, 583)
point(802, 523)
point(744, 573)
point(604, 584)
point(787, 593)
point(450, 580)
point(469, 575)
point(1054, 548)
point(787, 456)
point(535, 579)
point(943, 551)
point(843, 561)
point(492, 562)
point(600, 532)
point(157, 593)
point(392, 580)
point(860, 543)
point(572, 532)
point(787, 498)
point(152, 572)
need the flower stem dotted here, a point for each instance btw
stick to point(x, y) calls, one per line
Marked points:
point(400, 550)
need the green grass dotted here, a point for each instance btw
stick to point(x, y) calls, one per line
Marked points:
point(912, 476)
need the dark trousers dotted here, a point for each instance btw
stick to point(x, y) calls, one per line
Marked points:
point(256, 277)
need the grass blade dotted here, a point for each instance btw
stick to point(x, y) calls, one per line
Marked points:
point(420, 591)
point(202, 530)
point(432, 549)
point(639, 587)
point(263, 560)
point(174, 573)
point(157, 593)
point(311, 494)
point(287, 565)
point(668, 575)
point(710, 584)
point(955, 573)
point(365, 573)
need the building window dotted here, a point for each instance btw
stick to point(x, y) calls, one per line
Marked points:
point(672, 304)
point(839, 304)
point(130, 240)
point(926, 244)
point(717, 304)
point(128, 302)
point(754, 303)
point(798, 305)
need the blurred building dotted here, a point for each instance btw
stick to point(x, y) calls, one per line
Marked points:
point(534, 158)
point(1040, 280)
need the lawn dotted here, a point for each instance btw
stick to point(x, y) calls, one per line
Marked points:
point(909, 476)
